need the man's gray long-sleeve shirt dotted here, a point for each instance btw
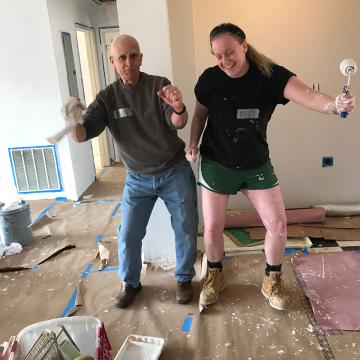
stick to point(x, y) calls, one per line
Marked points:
point(140, 122)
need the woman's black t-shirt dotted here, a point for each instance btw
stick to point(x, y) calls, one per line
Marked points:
point(239, 110)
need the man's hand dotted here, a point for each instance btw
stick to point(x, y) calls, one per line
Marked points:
point(172, 96)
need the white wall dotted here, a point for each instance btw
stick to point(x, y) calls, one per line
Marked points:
point(183, 54)
point(33, 86)
point(29, 87)
point(147, 21)
point(182, 47)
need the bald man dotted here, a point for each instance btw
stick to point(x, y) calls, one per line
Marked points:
point(143, 112)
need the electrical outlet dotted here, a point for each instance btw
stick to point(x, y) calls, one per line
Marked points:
point(327, 161)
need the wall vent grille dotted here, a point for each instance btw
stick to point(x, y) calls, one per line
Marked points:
point(35, 169)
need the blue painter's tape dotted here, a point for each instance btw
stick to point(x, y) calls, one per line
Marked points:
point(70, 304)
point(41, 214)
point(61, 199)
point(105, 200)
point(305, 250)
point(107, 269)
point(187, 324)
point(72, 300)
point(36, 267)
point(116, 209)
point(86, 272)
point(99, 238)
point(289, 251)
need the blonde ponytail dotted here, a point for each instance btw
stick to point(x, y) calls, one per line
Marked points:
point(260, 60)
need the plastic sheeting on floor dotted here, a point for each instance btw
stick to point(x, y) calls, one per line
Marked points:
point(331, 281)
point(241, 325)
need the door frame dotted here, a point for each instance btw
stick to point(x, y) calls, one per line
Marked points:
point(94, 69)
point(113, 149)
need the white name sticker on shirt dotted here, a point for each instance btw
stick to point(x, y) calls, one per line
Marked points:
point(248, 113)
point(124, 112)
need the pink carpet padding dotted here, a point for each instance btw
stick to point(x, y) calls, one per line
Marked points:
point(294, 216)
point(331, 281)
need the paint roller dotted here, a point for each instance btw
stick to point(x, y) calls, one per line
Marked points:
point(347, 68)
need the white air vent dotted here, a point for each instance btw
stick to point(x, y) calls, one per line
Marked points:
point(35, 169)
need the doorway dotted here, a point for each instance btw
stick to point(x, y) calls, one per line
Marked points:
point(91, 86)
point(107, 35)
point(70, 64)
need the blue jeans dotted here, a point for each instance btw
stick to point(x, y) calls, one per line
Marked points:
point(177, 188)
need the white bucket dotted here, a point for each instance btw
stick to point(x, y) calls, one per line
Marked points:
point(14, 224)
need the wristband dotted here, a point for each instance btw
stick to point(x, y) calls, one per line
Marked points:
point(180, 112)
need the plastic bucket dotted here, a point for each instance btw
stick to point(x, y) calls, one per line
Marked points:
point(14, 225)
point(87, 332)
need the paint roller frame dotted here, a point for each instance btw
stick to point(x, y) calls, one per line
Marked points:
point(347, 67)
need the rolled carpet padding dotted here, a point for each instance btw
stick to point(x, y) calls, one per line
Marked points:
point(341, 209)
point(294, 216)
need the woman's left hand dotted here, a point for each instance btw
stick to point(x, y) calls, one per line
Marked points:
point(191, 154)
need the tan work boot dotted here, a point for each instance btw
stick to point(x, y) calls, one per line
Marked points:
point(273, 289)
point(214, 284)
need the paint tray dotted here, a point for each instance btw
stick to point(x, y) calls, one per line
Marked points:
point(138, 347)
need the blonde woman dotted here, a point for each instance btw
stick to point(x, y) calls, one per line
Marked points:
point(235, 101)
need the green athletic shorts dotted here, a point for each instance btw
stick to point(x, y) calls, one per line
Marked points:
point(220, 179)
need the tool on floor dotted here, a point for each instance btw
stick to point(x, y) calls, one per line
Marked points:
point(347, 68)
point(104, 254)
